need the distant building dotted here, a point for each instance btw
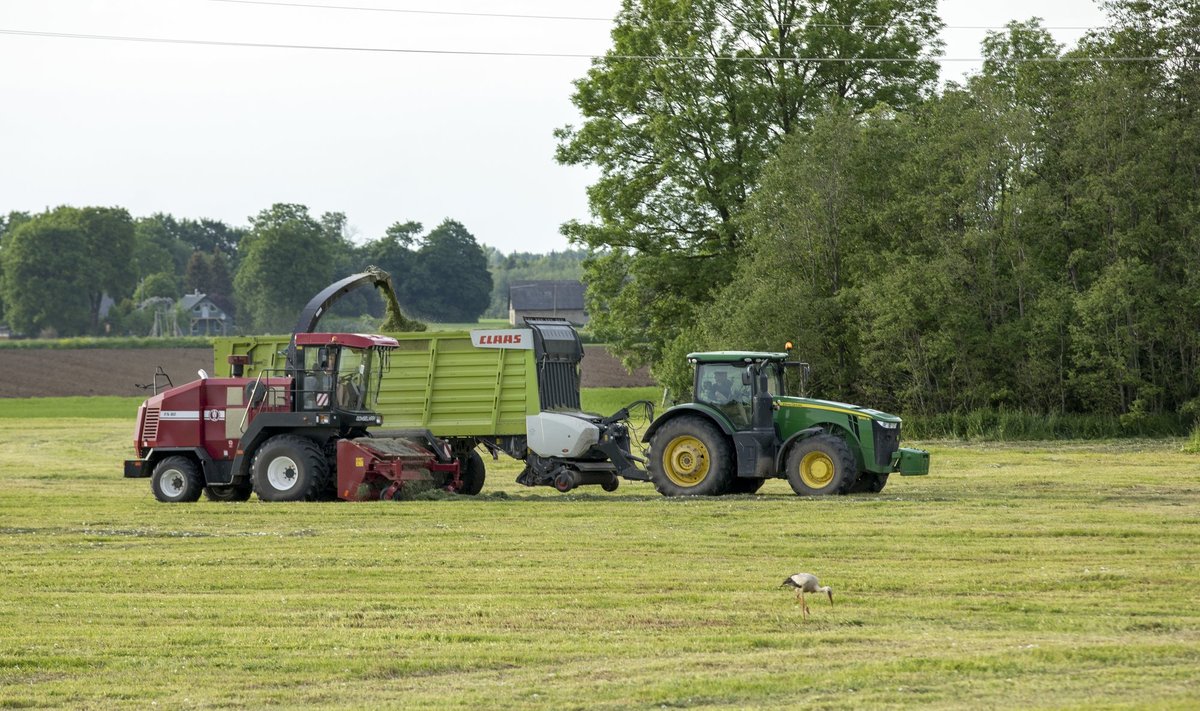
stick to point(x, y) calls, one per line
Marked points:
point(205, 318)
point(562, 299)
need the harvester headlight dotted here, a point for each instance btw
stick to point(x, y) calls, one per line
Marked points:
point(322, 419)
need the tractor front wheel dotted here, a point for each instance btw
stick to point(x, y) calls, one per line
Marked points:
point(177, 480)
point(821, 465)
point(290, 468)
point(689, 456)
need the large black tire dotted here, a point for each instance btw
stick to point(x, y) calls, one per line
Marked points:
point(689, 456)
point(869, 483)
point(228, 492)
point(290, 468)
point(742, 485)
point(472, 474)
point(822, 465)
point(177, 480)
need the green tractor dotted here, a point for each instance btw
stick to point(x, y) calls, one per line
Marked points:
point(741, 429)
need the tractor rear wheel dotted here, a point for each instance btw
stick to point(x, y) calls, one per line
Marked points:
point(869, 483)
point(473, 473)
point(743, 485)
point(689, 456)
point(290, 468)
point(228, 492)
point(177, 480)
point(821, 465)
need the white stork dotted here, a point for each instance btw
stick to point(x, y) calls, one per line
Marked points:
point(807, 582)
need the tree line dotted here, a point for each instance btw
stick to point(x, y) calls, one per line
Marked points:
point(90, 270)
point(1027, 238)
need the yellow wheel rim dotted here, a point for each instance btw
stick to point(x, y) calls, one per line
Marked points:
point(686, 461)
point(816, 470)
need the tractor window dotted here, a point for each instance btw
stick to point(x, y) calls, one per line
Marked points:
point(720, 385)
point(774, 379)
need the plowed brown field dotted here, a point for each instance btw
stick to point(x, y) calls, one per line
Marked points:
point(99, 371)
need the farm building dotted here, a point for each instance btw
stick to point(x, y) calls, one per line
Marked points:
point(560, 299)
point(205, 318)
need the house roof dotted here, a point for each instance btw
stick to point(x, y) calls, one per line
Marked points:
point(190, 300)
point(565, 295)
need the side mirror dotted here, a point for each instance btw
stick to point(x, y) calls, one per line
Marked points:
point(746, 377)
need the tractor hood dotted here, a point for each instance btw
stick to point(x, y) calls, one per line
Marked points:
point(865, 413)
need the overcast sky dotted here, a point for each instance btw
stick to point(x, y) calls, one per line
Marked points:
point(223, 132)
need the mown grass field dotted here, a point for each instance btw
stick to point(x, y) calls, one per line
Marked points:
point(1047, 575)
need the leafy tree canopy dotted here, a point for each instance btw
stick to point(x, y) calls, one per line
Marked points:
point(284, 260)
point(680, 117)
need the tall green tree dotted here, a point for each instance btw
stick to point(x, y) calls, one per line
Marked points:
point(44, 258)
point(157, 247)
point(198, 274)
point(1025, 240)
point(209, 236)
point(284, 260)
point(682, 113)
point(451, 267)
point(395, 253)
point(8, 223)
point(110, 243)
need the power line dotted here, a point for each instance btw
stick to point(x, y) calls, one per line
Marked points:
point(566, 55)
point(584, 18)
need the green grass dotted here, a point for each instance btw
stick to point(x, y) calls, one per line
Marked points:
point(84, 407)
point(1030, 575)
point(1018, 425)
point(1192, 445)
point(606, 401)
point(113, 342)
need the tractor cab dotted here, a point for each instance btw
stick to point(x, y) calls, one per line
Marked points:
point(339, 371)
point(733, 381)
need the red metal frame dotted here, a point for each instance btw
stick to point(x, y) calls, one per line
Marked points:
point(365, 473)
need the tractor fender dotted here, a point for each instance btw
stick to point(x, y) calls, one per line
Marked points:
point(825, 427)
point(266, 426)
point(686, 409)
point(207, 466)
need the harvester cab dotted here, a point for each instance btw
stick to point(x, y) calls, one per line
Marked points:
point(339, 375)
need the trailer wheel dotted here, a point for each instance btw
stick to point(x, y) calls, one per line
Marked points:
point(869, 483)
point(689, 456)
point(177, 480)
point(473, 473)
point(821, 466)
point(743, 485)
point(229, 492)
point(290, 468)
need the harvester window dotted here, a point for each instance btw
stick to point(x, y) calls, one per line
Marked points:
point(318, 378)
point(352, 378)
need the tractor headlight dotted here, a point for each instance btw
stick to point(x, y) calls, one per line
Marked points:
point(887, 425)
